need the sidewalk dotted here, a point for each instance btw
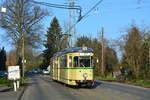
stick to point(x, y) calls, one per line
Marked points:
point(7, 93)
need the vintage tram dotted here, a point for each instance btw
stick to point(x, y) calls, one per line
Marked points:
point(73, 66)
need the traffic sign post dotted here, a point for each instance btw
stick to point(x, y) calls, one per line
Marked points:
point(18, 84)
point(14, 84)
point(14, 75)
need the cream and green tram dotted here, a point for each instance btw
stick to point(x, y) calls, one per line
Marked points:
point(73, 66)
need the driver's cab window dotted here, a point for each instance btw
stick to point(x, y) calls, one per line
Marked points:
point(76, 60)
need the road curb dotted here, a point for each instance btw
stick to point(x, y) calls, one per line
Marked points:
point(22, 92)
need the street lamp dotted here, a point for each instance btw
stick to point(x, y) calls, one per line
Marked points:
point(3, 9)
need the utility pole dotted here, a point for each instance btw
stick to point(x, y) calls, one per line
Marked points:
point(23, 60)
point(149, 51)
point(72, 20)
point(102, 58)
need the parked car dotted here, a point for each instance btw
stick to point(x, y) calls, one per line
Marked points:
point(37, 71)
point(29, 73)
point(45, 71)
point(34, 71)
point(3, 73)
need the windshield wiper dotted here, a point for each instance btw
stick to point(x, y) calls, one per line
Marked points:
point(82, 65)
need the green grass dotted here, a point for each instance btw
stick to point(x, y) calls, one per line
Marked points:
point(143, 83)
point(105, 78)
point(4, 81)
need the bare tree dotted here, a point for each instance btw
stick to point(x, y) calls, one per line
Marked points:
point(22, 23)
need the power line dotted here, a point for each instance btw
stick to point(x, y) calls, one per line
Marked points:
point(57, 5)
point(92, 8)
point(68, 7)
point(85, 15)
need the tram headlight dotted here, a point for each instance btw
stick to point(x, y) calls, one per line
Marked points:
point(85, 75)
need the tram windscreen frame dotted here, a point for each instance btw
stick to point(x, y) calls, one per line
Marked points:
point(83, 61)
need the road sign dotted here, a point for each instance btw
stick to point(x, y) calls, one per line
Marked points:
point(13, 72)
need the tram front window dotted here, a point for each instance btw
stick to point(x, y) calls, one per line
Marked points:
point(82, 61)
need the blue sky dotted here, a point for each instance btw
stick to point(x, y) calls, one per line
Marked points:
point(114, 15)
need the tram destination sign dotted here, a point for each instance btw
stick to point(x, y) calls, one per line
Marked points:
point(84, 54)
point(13, 72)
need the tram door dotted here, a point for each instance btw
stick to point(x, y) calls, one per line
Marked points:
point(69, 66)
point(58, 69)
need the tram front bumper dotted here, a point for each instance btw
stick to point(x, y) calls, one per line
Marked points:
point(80, 82)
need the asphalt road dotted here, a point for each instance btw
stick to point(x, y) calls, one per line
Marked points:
point(43, 88)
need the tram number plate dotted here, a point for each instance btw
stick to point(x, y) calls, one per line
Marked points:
point(81, 80)
point(84, 54)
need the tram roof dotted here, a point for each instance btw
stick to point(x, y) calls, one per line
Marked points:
point(74, 49)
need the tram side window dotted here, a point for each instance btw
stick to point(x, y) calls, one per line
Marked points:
point(92, 62)
point(63, 61)
point(76, 64)
point(55, 64)
point(70, 61)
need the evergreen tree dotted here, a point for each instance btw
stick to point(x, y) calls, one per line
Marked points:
point(53, 42)
point(2, 59)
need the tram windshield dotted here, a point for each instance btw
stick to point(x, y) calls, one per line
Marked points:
point(82, 61)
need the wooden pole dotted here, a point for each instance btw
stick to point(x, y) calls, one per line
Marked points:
point(149, 51)
point(23, 54)
point(102, 40)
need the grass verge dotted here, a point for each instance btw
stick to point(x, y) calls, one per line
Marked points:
point(143, 83)
point(4, 81)
point(105, 78)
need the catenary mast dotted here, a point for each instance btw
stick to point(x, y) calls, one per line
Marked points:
point(72, 21)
